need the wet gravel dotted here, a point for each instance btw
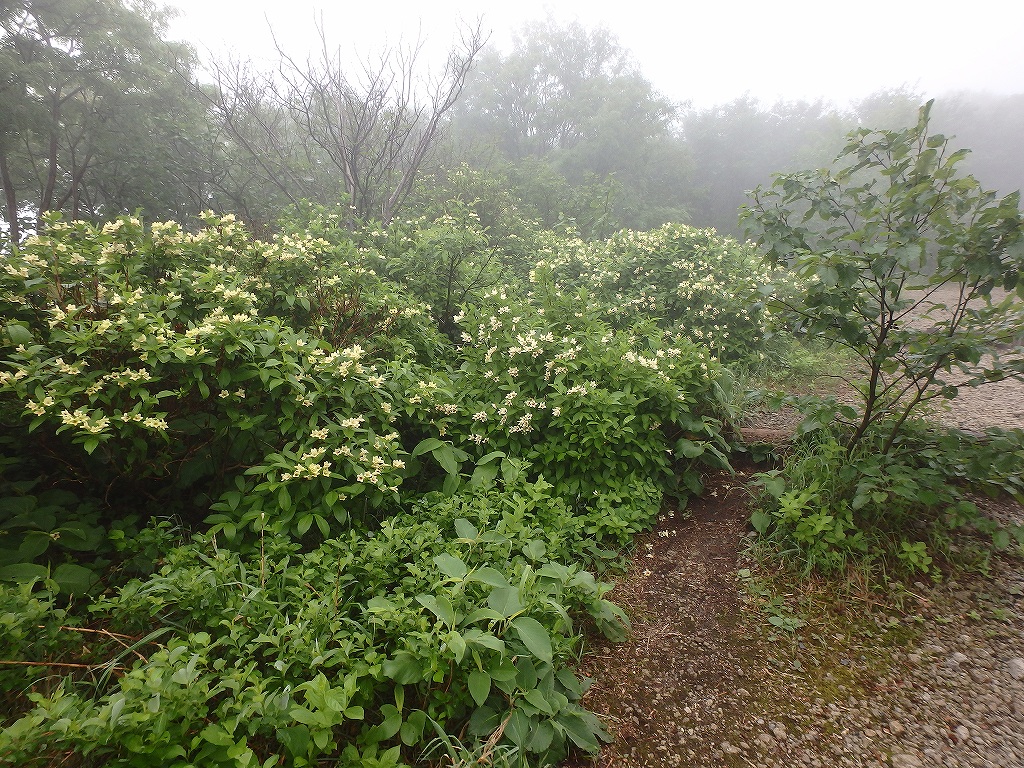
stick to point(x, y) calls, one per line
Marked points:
point(929, 676)
point(951, 694)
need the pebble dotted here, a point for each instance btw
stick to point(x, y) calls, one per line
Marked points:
point(1016, 668)
point(906, 760)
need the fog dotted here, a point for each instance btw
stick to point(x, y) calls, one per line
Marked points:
point(703, 54)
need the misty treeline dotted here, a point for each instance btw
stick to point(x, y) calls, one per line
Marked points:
point(100, 114)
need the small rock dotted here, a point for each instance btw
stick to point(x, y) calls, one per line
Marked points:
point(1016, 668)
point(906, 760)
point(962, 733)
point(896, 728)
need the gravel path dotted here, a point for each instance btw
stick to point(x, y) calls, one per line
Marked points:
point(948, 693)
point(934, 677)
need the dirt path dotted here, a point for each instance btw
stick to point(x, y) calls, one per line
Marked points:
point(934, 678)
point(682, 683)
point(723, 670)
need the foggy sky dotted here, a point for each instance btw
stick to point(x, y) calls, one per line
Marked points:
point(705, 53)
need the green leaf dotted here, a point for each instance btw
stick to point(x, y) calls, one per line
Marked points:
point(284, 498)
point(505, 601)
point(534, 636)
point(428, 445)
point(80, 537)
point(411, 731)
point(390, 725)
point(760, 520)
point(466, 530)
point(534, 549)
point(776, 486)
point(490, 576)
point(34, 544)
point(484, 475)
point(541, 737)
point(457, 645)
point(518, 727)
point(74, 579)
point(479, 686)
point(688, 448)
point(584, 735)
point(451, 484)
point(217, 735)
point(404, 669)
point(445, 456)
point(295, 739)
point(537, 700)
point(451, 566)
point(18, 334)
point(440, 606)
point(24, 572)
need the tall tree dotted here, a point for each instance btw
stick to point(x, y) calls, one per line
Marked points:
point(573, 100)
point(95, 107)
point(739, 145)
point(318, 128)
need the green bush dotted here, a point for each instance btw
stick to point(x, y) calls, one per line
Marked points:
point(591, 409)
point(460, 612)
point(830, 508)
point(701, 286)
point(388, 535)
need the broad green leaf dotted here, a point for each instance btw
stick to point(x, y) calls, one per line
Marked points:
point(479, 686)
point(428, 445)
point(505, 600)
point(440, 606)
point(404, 669)
point(445, 456)
point(688, 448)
point(23, 572)
point(518, 728)
point(18, 334)
point(466, 530)
point(541, 737)
point(489, 576)
point(74, 579)
point(534, 549)
point(534, 636)
point(451, 566)
point(295, 739)
point(457, 645)
point(760, 520)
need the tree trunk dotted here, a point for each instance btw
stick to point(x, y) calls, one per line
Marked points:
point(11, 200)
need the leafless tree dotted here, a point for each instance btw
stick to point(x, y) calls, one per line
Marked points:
point(315, 129)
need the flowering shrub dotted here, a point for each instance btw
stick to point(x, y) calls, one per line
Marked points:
point(376, 545)
point(168, 372)
point(701, 285)
point(593, 410)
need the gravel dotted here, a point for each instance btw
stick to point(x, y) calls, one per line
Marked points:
point(936, 679)
point(951, 696)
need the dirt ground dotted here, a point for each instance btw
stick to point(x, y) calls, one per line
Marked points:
point(706, 679)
